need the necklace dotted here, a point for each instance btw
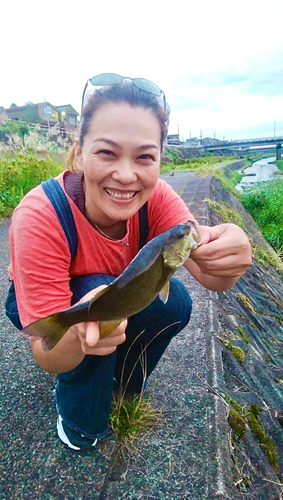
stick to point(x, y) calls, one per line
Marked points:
point(106, 235)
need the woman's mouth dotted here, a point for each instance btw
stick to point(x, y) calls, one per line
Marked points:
point(118, 195)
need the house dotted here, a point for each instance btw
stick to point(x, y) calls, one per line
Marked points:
point(208, 141)
point(173, 139)
point(193, 142)
point(45, 113)
point(68, 116)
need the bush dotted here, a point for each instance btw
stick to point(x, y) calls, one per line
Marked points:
point(264, 202)
point(19, 174)
point(11, 128)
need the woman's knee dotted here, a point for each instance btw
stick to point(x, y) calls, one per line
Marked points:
point(84, 284)
point(179, 305)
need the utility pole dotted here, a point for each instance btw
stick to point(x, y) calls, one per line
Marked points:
point(178, 131)
point(274, 126)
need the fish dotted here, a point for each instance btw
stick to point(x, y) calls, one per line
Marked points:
point(146, 277)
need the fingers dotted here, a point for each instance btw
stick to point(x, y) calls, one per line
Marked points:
point(225, 251)
point(88, 334)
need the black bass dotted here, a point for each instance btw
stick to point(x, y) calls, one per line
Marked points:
point(146, 277)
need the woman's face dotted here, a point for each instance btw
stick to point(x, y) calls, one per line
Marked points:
point(120, 158)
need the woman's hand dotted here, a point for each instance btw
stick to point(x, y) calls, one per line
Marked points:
point(223, 257)
point(88, 333)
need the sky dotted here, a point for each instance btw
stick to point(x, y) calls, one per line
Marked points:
point(220, 63)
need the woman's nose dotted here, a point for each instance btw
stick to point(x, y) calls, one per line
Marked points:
point(124, 172)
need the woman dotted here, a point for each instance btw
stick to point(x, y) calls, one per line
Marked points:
point(112, 174)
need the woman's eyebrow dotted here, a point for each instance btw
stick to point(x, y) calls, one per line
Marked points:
point(115, 144)
point(147, 146)
point(108, 141)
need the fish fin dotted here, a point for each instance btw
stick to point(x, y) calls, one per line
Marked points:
point(50, 330)
point(107, 327)
point(164, 293)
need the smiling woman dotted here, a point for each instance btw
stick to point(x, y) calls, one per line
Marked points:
point(66, 247)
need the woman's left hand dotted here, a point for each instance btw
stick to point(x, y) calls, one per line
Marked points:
point(225, 251)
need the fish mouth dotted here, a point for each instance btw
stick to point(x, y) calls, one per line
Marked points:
point(117, 194)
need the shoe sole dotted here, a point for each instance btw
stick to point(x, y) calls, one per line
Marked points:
point(64, 438)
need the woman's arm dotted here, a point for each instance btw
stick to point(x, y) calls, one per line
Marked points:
point(223, 257)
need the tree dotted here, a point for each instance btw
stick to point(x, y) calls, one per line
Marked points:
point(30, 114)
point(13, 105)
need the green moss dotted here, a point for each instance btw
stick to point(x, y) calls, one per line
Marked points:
point(227, 214)
point(237, 351)
point(239, 354)
point(270, 452)
point(237, 423)
point(246, 303)
point(266, 444)
point(241, 332)
point(254, 410)
point(256, 428)
point(236, 405)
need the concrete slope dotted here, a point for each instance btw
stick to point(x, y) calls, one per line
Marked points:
point(193, 454)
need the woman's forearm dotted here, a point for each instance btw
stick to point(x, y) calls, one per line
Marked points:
point(65, 356)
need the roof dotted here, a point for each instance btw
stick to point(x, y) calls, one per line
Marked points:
point(58, 108)
point(66, 106)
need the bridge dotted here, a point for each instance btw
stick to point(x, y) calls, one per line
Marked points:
point(275, 142)
point(245, 143)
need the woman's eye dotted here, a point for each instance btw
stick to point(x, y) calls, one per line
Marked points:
point(146, 157)
point(105, 152)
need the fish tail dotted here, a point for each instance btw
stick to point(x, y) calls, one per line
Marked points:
point(50, 330)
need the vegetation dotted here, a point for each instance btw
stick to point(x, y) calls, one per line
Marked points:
point(243, 417)
point(203, 165)
point(264, 202)
point(279, 164)
point(19, 173)
point(13, 127)
point(132, 416)
point(261, 254)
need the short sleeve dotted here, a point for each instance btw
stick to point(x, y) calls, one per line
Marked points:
point(40, 259)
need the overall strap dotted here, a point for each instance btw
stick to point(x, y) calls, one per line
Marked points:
point(144, 228)
point(59, 200)
point(60, 203)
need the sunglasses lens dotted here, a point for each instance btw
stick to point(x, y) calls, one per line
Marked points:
point(147, 86)
point(106, 79)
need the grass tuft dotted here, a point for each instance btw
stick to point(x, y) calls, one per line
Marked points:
point(132, 417)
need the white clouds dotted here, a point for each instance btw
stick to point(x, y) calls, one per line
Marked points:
point(218, 62)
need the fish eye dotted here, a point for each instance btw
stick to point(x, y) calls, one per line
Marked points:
point(180, 236)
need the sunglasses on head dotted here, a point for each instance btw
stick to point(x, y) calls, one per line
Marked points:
point(112, 79)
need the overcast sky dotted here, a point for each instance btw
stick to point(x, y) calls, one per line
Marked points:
point(219, 62)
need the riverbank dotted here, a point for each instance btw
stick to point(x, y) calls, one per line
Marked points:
point(194, 454)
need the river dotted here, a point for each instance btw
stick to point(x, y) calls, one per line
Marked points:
point(261, 171)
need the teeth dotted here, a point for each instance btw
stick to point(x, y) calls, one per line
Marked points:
point(120, 196)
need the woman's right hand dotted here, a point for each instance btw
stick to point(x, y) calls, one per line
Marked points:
point(88, 333)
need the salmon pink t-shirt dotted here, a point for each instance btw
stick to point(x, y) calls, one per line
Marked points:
point(41, 266)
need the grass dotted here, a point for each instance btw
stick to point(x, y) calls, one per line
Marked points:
point(262, 254)
point(19, 173)
point(265, 203)
point(279, 164)
point(202, 165)
point(132, 417)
